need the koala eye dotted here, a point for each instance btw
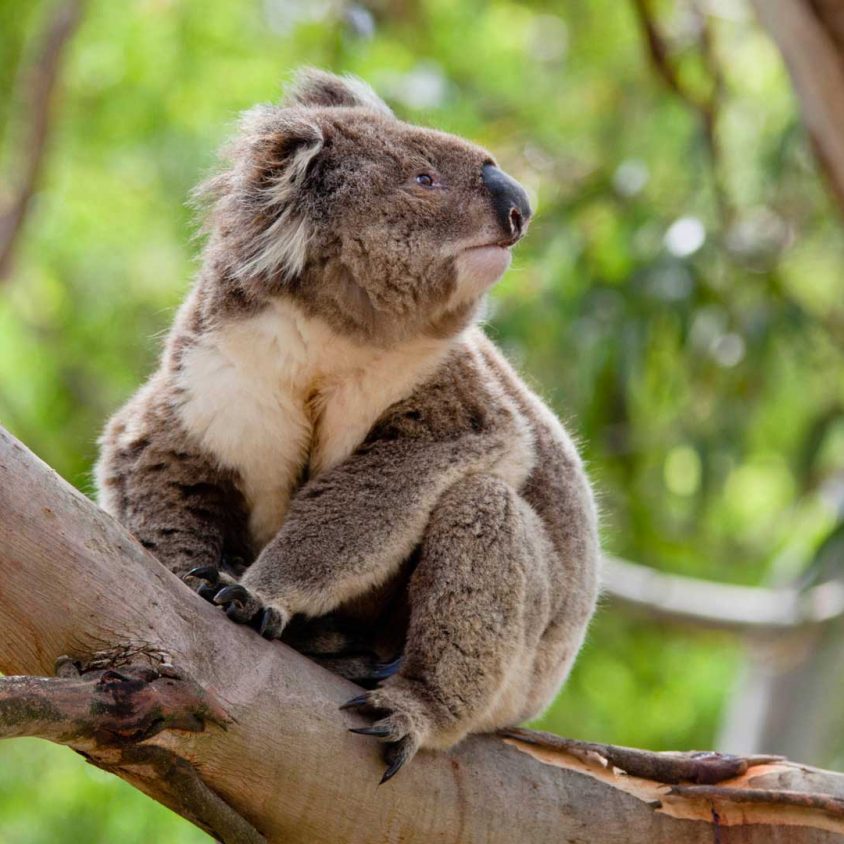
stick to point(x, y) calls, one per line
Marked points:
point(425, 179)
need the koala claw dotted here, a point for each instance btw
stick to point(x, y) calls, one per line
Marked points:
point(244, 607)
point(208, 592)
point(241, 606)
point(386, 669)
point(211, 581)
point(271, 623)
point(211, 574)
point(378, 732)
point(234, 594)
point(396, 729)
point(360, 700)
point(398, 753)
point(233, 611)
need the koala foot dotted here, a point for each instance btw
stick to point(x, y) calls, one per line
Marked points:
point(241, 605)
point(403, 726)
point(383, 670)
point(362, 668)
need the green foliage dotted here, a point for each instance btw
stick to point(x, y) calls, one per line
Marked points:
point(698, 357)
point(48, 794)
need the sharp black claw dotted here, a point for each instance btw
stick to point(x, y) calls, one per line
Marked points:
point(392, 769)
point(209, 573)
point(360, 700)
point(269, 623)
point(231, 594)
point(208, 592)
point(398, 754)
point(378, 732)
point(386, 669)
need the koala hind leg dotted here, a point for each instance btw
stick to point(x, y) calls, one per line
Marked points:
point(478, 607)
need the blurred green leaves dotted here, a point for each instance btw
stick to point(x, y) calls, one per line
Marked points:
point(48, 794)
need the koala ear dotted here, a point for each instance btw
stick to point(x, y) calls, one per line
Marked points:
point(282, 142)
point(271, 155)
point(312, 87)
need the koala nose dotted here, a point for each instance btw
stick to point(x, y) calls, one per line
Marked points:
point(509, 201)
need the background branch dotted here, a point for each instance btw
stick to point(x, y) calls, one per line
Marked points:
point(693, 602)
point(705, 107)
point(810, 36)
point(38, 85)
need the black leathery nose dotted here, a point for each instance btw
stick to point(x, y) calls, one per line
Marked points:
point(508, 199)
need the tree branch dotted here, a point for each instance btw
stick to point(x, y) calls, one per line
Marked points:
point(38, 87)
point(810, 37)
point(73, 582)
point(109, 710)
point(694, 602)
point(705, 108)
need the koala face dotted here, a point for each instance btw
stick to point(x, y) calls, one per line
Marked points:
point(385, 229)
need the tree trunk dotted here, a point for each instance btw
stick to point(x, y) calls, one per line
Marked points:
point(810, 35)
point(244, 737)
point(787, 696)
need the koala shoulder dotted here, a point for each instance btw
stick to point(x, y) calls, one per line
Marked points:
point(466, 398)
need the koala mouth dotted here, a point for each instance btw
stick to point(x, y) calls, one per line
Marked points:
point(481, 266)
point(488, 246)
point(488, 253)
point(504, 242)
point(507, 243)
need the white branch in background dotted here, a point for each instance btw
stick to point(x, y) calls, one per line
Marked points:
point(705, 603)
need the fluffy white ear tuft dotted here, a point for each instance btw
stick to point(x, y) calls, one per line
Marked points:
point(283, 145)
point(313, 87)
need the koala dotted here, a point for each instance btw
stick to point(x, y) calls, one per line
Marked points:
point(331, 448)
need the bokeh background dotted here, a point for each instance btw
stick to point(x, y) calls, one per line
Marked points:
point(678, 301)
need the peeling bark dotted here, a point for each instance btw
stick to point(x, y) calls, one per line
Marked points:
point(239, 734)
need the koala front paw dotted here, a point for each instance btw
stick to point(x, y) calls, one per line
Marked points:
point(241, 605)
point(207, 581)
point(404, 723)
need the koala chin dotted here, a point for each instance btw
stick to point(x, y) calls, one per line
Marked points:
point(332, 450)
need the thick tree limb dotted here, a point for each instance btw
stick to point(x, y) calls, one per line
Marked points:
point(73, 582)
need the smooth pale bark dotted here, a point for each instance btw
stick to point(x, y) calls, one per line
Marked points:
point(277, 751)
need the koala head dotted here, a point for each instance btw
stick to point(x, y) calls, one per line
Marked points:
point(385, 229)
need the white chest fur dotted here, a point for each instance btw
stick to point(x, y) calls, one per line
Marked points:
point(279, 394)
